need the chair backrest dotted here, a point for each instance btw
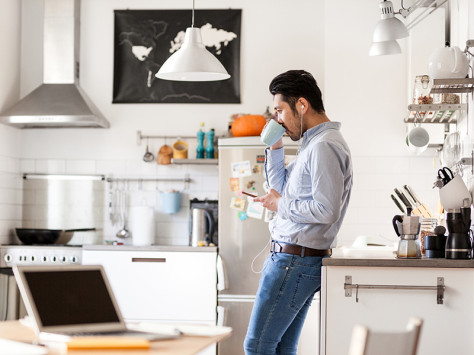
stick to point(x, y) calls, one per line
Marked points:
point(367, 342)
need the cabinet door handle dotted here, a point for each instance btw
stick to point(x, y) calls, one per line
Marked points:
point(439, 288)
point(148, 260)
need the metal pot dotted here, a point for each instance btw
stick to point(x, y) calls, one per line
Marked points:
point(31, 236)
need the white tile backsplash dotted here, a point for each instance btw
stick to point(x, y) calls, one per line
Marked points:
point(370, 211)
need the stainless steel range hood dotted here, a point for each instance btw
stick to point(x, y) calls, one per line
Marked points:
point(59, 102)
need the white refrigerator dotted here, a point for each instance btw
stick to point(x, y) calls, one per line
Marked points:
point(243, 233)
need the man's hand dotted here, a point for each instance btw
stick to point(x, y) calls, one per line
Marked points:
point(270, 200)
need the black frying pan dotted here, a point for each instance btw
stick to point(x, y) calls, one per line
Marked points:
point(31, 236)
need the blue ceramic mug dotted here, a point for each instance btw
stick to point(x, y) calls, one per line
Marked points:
point(272, 132)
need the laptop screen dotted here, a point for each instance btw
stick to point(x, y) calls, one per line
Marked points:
point(71, 297)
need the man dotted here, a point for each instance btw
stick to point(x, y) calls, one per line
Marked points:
point(310, 197)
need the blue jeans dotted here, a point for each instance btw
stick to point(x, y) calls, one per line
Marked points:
point(286, 290)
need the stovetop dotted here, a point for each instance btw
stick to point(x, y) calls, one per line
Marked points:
point(54, 254)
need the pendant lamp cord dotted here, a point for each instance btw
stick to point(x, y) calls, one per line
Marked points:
point(192, 20)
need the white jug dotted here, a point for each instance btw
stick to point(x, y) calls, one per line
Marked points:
point(448, 62)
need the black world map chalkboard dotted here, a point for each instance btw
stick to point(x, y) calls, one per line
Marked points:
point(145, 39)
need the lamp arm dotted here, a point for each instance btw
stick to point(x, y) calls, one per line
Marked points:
point(192, 18)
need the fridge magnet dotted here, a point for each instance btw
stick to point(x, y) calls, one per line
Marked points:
point(268, 216)
point(250, 184)
point(257, 169)
point(243, 216)
point(237, 203)
point(234, 184)
point(145, 39)
point(241, 169)
point(254, 209)
point(260, 159)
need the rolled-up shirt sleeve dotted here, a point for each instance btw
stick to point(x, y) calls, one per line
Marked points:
point(325, 165)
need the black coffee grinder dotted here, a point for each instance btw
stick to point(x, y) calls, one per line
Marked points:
point(458, 243)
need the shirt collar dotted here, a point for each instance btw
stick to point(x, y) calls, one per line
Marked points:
point(318, 129)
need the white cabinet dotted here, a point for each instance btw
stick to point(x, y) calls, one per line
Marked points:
point(161, 285)
point(448, 328)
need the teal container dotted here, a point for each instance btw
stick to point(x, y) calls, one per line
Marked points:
point(200, 145)
point(210, 144)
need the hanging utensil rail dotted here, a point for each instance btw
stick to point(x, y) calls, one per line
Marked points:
point(141, 137)
point(185, 179)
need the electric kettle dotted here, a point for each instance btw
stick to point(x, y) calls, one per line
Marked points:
point(448, 62)
point(202, 227)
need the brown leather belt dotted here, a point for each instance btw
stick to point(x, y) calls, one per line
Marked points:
point(297, 250)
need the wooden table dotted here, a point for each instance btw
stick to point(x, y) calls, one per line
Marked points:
point(184, 345)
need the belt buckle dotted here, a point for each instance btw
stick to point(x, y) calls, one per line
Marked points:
point(273, 247)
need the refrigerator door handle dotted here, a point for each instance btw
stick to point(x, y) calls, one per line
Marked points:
point(221, 281)
point(221, 316)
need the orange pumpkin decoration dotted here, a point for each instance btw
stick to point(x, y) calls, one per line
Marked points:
point(248, 125)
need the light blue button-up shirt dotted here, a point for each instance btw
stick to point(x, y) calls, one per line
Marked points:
point(315, 188)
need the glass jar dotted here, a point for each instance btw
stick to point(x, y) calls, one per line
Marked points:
point(421, 90)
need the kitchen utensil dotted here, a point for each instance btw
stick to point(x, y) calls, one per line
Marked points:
point(123, 233)
point(405, 201)
point(31, 236)
point(407, 227)
point(148, 157)
point(164, 155)
point(451, 152)
point(425, 212)
point(458, 243)
point(396, 203)
point(201, 234)
point(448, 62)
point(272, 132)
point(455, 194)
point(445, 175)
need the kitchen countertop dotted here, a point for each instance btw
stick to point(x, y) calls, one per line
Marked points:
point(173, 248)
point(392, 261)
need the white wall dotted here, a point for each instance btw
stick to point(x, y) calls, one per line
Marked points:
point(10, 144)
point(367, 94)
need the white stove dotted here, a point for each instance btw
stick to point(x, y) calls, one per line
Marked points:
point(39, 255)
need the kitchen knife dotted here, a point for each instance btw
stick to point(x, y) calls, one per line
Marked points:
point(397, 203)
point(416, 208)
point(421, 206)
point(405, 201)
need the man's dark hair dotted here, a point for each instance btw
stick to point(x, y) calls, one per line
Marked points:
point(293, 84)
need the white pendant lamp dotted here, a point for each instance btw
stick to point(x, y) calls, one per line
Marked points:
point(192, 62)
point(384, 48)
point(387, 31)
point(389, 27)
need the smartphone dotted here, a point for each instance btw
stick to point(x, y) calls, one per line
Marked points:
point(246, 193)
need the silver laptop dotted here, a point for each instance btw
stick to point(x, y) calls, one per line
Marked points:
point(73, 300)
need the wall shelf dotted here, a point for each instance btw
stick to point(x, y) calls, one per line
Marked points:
point(442, 86)
point(194, 161)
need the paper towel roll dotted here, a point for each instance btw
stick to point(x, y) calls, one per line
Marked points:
point(142, 225)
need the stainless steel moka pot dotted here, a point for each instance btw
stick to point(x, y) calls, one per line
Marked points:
point(407, 228)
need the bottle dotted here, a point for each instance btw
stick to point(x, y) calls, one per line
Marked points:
point(210, 144)
point(200, 143)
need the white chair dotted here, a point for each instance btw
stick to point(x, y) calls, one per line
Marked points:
point(368, 342)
